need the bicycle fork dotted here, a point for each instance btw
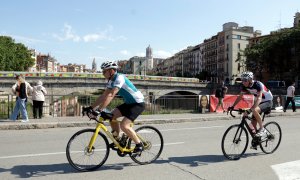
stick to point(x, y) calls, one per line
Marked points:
point(94, 137)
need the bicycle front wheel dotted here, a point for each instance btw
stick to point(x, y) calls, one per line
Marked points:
point(153, 145)
point(234, 142)
point(273, 139)
point(77, 150)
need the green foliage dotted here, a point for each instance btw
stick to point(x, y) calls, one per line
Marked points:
point(278, 54)
point(14, 56)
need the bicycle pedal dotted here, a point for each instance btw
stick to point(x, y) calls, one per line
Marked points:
point(136, 154)
point(113, 147)
point(263, 139)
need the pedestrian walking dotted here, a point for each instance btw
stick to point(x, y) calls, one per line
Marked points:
point(290, 97)
point(21, 89)
point(38, 98)
point(220, 94)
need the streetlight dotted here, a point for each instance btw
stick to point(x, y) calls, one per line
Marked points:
point(40, 68)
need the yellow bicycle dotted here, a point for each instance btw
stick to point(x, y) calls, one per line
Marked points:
point(88, 149)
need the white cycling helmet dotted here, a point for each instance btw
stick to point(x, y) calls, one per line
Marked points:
point(247, 75)
point(109, 65)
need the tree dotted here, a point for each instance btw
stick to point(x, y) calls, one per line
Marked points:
point(278, 54)
point(14, 56)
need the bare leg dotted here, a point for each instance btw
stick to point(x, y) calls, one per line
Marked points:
point(126, 127)
point(115, 125)
point(222, 107)
point(257, 117)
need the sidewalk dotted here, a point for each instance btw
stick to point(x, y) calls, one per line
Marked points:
point(64, 122)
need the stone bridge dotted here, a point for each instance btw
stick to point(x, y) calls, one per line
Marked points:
point(73, 85)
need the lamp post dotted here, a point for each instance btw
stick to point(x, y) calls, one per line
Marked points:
point(39, 69)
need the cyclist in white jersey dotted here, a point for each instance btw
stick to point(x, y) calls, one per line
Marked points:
point(263, 99)
point(134, 102)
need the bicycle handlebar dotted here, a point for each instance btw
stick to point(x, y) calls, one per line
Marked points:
point(92, 114)
point(240, 111)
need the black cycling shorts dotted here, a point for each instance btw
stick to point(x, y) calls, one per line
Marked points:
point(131, 111)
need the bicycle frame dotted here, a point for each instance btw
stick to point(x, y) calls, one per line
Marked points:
point(244, 123)
point(100, 126)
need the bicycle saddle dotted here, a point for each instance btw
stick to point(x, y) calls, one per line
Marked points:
point(106, 115)
point(268, 112)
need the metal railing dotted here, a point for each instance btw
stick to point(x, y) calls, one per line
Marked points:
point(71, 105)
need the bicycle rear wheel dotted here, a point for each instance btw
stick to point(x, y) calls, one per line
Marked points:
point(234, 142)
point(273, 138)
point(77, 150)
point(153, 145)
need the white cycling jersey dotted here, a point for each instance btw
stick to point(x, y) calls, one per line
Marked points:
point(255, 88)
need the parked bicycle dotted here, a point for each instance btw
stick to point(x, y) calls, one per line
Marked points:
point(88, 149)
point(235, 139)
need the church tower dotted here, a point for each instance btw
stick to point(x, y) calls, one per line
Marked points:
point(297, 20)
point(94, 66)
point(149, 58)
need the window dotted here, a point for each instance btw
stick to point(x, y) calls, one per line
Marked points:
point(239, 46)
point(239, 37)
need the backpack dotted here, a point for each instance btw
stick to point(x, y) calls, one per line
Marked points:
point(218, 93)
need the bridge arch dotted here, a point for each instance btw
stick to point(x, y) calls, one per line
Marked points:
point(180, 100)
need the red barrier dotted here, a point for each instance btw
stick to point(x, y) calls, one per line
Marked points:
point(246, 102)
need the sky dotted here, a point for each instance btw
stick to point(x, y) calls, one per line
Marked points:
point(76, 31)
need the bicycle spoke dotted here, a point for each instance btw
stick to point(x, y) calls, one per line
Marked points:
point(154, 145)
point(77, 151)
point(273, 138)
point(234, 142)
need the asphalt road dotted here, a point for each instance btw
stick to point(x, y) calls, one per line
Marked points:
point(192, 151)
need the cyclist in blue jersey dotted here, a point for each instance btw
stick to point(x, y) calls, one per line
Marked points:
point(133, 102)
point(263, 99)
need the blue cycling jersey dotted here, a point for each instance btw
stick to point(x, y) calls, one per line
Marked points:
point(127, 90)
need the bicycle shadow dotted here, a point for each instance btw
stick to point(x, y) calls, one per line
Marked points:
point(32, 171)
point(195, 161)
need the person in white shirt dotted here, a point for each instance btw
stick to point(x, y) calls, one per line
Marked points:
point(290, 97)
point(38, 98)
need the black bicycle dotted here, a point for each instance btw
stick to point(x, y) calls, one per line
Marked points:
point(235, 139)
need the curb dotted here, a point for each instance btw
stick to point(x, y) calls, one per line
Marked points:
point(61, 124)
point(47, 125)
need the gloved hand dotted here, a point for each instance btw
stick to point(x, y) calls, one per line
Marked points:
point(248, 111)
point(87, 110)
point(230, 108)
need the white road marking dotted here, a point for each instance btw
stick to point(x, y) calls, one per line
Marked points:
point(175, 143)
point(58, 153)
point(287, 171)
point(31, 155)
point(184, 129)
